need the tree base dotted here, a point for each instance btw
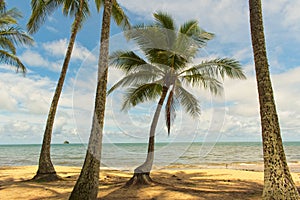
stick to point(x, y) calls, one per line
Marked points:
point(139, 179)
point(46, 177)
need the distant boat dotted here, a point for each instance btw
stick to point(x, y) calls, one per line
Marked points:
point(66, 142)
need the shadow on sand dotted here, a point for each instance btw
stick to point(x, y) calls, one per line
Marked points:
point(184, 186)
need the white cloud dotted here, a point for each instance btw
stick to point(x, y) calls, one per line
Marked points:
point(243, 99)
point(282, 18)
point(225, 18)
point(59, 47)
point(7, 102)
point(56, 49)
point(24, 105)
point(26, 93)
point(292, 15)
point(34, 59)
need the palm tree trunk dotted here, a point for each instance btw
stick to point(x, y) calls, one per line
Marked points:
point(278, 183)
point(46, 171)
point(142, 173)
point(86, 186)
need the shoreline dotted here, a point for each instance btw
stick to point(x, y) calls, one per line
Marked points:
point(170, 183)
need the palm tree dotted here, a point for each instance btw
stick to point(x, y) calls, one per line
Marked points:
point(164, 73)
point(278, 182)
point(86, 186)
point(40, 9)
point(10, 36)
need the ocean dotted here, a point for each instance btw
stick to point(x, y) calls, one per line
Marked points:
point(127, 156)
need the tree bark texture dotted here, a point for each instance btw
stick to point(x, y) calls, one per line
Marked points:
point(86, 187)
point(278, 183)
point(46, 171)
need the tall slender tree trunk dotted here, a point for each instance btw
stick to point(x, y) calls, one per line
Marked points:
point(86, 187)
point(141, 174)
point(46, 171)
point(278, 183)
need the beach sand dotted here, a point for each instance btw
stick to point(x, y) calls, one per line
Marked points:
point(169, 184)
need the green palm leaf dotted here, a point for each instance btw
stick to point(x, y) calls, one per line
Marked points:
point(120, 17)
point(140, 94)
point(149, 38)
point(205, 81)
point(192, 30)
point(7, 44)
point(99, 4)
point(40, 10)
point(43, 8)
point(11, 36)
point(188, 101)
point(9, 17)
point(126, 60)
point(16, 36)
point(11, 59)
point(219, 67)
point(163, 20)
point(136, 78)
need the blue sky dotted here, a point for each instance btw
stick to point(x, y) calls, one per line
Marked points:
point(25, 101)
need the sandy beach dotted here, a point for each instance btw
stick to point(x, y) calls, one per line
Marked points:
point(169, 184)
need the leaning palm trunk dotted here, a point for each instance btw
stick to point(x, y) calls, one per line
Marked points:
point(142, 173)
point(278, 183)
point(86, 186)
point(46, 171)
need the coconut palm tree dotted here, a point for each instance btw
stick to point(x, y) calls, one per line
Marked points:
point(165, 71)
point(80, 10)
point(86, 186)
point(40, 9)
point(11, 35)
point(278, 182)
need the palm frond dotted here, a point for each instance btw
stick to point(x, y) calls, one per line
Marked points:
point(129, 62)
point(185, 47)
point(137, 78)
point(220, 67)
point(7, 44)
point(188, 101)
point(149, 38)
point(16, 36)
point(126, 60)
point(40, 10)
point(120, 17)
point(192, 30)
point(2, 6)
point(189, 27)
point(9, 17)
point(81, 12)
point(99, 4)
point(140, 94)
point(164, 20)
point(205, 81)
point(13, 60)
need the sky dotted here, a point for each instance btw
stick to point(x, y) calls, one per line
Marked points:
point(234, 116)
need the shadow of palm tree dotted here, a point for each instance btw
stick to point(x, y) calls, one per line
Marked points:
point(187, 186)
point(53, 189)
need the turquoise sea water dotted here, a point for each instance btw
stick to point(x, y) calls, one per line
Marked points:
point(129, 155)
